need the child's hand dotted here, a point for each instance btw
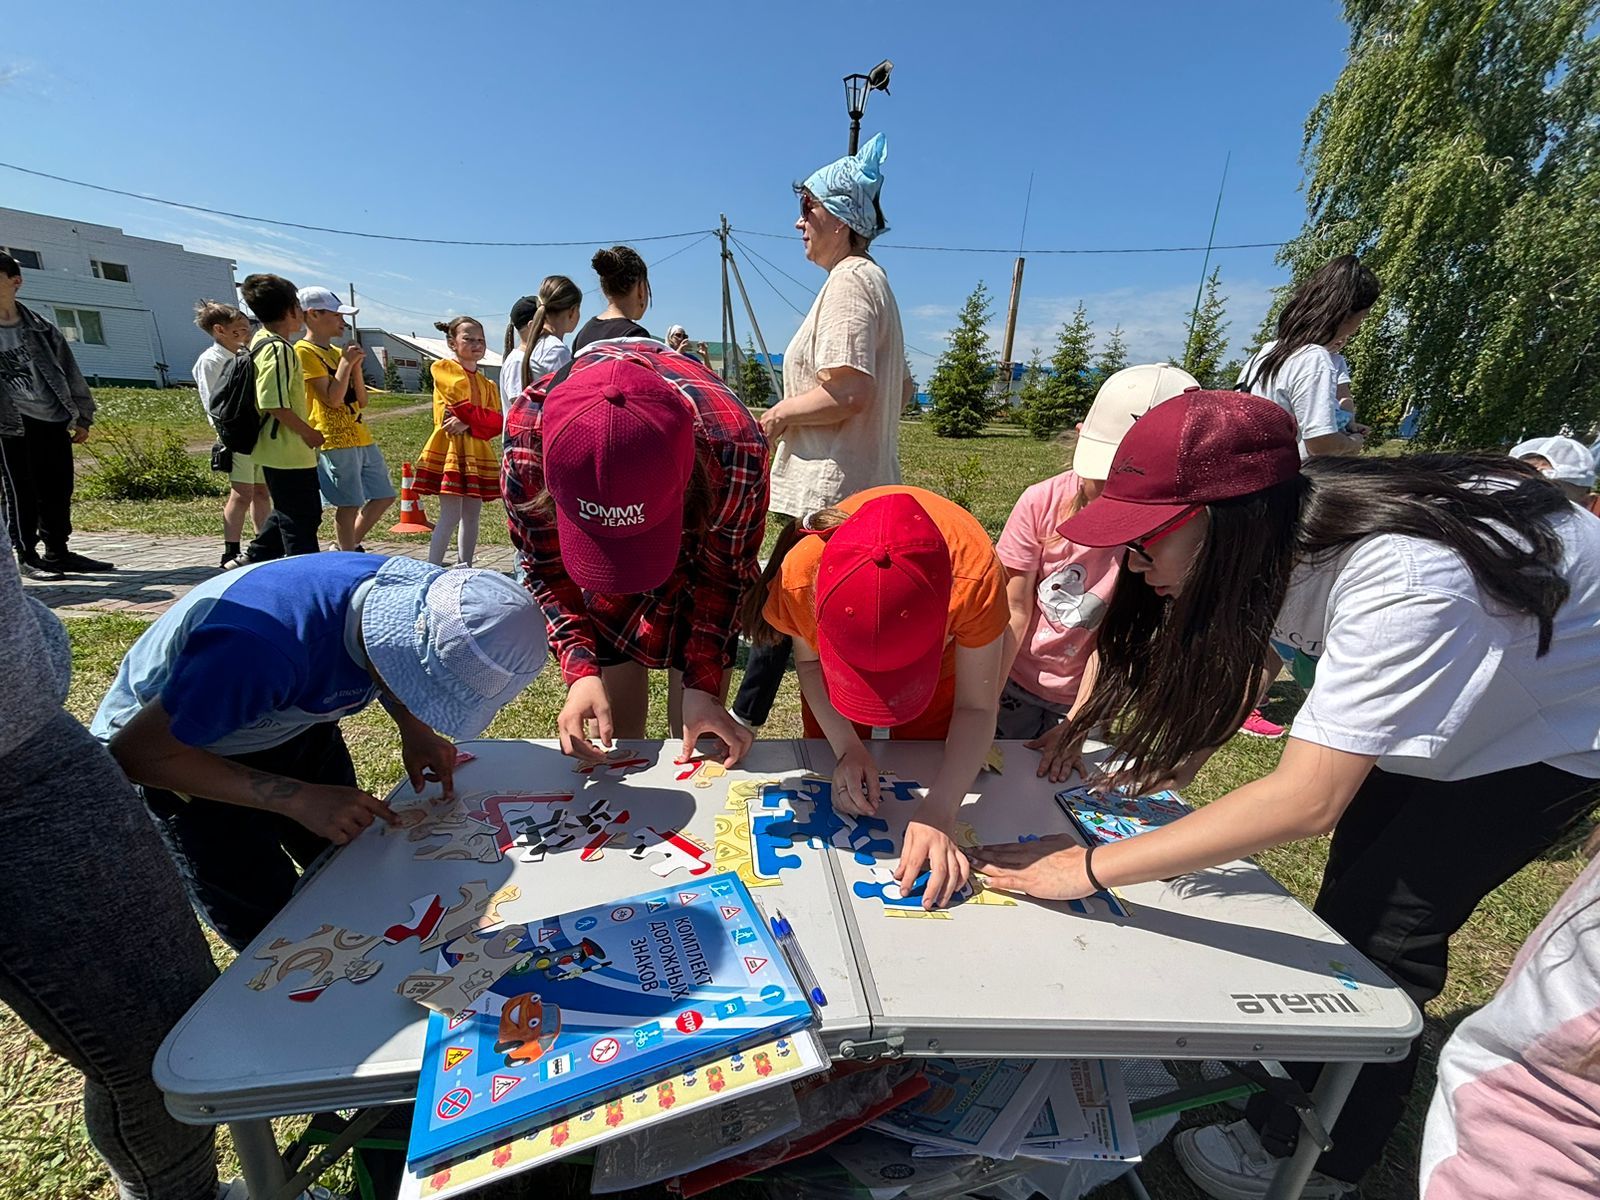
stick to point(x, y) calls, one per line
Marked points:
point(586, 701)
point(1051, 868)
point(855, 782)
point(313, 438)
point(353, 354)
point(454, 425)
point(928, 846)
point(1058, 758)
point(336, 813)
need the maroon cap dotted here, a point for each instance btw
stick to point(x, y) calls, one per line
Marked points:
point(618, 454)
point(1197, 447)
point(883, 609)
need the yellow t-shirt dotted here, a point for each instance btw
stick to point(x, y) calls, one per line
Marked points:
point(340, 424)
point(279, 384)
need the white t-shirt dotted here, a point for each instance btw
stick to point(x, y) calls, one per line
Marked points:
point(1417, 667)
point(550, 353)
point(1306, 386)
point(208, 373)
point(854, 322)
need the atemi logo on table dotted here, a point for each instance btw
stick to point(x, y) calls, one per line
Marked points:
point(611, 514)
point(1296, 1003)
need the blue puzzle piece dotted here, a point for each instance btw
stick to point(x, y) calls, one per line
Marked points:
point(821, 823)
point(767, 846)
point(867, 846)
point(900, 789)
point(1083, 907)
point(879, 890)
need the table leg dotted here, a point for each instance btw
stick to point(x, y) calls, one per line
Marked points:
point(1328, 1097)
point(265, 1172)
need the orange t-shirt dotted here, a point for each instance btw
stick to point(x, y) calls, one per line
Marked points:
point(978, 610)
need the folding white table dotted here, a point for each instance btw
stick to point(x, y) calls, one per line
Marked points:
point(1220, 964)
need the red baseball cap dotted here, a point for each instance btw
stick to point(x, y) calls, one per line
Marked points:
point(883, 609)
point(618, 454)
point(1198, 447)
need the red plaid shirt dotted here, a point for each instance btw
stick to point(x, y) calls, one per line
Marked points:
point(692, 620)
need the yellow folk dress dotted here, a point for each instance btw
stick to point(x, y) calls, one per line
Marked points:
point(458, 464)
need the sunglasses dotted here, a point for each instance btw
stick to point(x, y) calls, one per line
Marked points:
point(808, 205)
point(1139, 545)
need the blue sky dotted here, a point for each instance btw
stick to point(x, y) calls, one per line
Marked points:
point(497, 121)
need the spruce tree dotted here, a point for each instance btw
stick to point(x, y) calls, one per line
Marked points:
point(1067, 390)
point(1208, 336)
point(1113, 357)
point(1038, 416)
point(962, 379)
point(754, 384)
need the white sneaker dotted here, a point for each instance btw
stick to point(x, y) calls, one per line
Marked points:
point(1228, 1162)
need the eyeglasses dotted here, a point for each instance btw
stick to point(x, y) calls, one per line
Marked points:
point(807, 205)
point(1139, 545)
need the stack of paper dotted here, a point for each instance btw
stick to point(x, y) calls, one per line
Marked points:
point(1019, 1108)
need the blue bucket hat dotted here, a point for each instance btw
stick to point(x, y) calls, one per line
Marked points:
point(455, 647)
point(849, 187)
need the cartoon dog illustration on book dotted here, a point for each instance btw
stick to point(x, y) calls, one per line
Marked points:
point(528, 1027)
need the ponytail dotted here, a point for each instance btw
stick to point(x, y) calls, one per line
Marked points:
point(556, 294)
point(511, 339)
point(752, 608)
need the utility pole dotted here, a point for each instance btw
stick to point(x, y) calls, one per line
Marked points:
point(1011, 319)
point(1206, 262)
point(355, 334)
point(729, 350)
point(729, 261)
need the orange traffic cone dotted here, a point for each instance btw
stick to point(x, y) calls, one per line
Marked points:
point(413, 517)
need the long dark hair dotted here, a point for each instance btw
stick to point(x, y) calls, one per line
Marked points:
point(1179, 674)
point(1339, 289)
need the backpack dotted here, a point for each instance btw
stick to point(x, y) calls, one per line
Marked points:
point(232, 405)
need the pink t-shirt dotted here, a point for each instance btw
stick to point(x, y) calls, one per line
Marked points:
point(1070, 600)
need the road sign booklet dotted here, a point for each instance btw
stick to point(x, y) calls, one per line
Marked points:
point(600, 1000)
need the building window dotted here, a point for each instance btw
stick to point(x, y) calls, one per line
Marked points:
point(81, 325)
point(25, 258)
point(116, 272)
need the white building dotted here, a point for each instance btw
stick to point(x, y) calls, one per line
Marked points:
point(408, 352)
point(125, 303)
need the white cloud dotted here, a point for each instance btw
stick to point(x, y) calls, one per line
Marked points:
point(258, 256)
point(933, 312)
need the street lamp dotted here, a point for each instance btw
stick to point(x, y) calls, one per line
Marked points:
point(856, 88)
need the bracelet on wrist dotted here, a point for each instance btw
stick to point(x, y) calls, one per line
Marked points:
point(1088, 869)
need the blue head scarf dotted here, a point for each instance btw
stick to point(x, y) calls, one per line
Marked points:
point(849, 187)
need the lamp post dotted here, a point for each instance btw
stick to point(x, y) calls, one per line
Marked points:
point(856, 89)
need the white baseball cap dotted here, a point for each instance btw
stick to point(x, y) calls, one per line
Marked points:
point(318, 299)
point(1122, 400)
point(1570, 461)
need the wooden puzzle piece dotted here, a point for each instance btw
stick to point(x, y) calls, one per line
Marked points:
point(426, 913)
point(702, 770)
point(478, 908)
point(733, 849)
point(618, 762)
point(465, 838)
point(477, 961)
point(678, 852)
point(326, 954)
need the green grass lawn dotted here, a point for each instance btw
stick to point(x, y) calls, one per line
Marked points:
point(43, 1152)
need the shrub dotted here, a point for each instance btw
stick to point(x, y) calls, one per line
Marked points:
point(147, 467)
point(960, 482)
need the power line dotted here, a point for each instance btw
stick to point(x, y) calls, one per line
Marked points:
point(799, 312)
point(803, 287)
point(382, 237)
point(810, 291)
point(787, 237)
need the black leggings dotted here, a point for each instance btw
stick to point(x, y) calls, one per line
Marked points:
point(1410, 861)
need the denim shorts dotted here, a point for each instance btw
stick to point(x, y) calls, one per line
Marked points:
point(351, 477)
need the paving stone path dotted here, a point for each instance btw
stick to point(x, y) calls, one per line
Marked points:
point(154, 572)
